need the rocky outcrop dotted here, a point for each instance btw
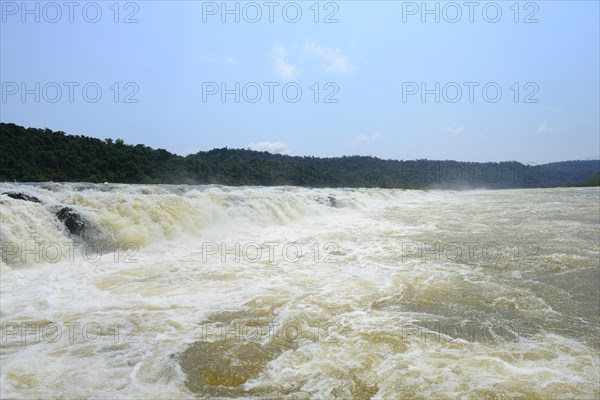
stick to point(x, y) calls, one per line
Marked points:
point(22, 196)
point(331, 201)
point(74, 222)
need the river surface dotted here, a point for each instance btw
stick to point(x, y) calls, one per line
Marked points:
point(295, 293)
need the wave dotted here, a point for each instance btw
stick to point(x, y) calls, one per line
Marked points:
point(106, 215)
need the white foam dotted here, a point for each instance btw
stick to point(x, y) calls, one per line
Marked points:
point(368, 319)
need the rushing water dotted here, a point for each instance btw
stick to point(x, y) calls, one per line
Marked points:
point(184, 291)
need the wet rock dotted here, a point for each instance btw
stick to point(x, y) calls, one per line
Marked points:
point(74, 222)
point(329, 201)
point(332, 201)
point(22, 196)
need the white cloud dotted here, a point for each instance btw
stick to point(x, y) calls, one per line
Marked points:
point(283, 68)
point(455, 131)
point(271, 147)
point(331, 59)
point(335, 59)
point(364, 138)
point(543, 129)
point(229, 61)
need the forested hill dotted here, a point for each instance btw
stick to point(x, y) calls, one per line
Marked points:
point(35, 155)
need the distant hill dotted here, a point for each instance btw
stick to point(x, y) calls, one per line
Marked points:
point(35, 155)
point(593, 181)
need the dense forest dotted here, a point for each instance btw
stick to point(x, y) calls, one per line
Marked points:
point(35, 155)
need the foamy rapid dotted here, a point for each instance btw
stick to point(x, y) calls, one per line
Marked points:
point(294, 293)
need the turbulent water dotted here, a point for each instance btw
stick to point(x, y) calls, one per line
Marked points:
point(209, 291)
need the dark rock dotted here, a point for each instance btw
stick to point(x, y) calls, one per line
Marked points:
point(74, 222)
point(22, 196)
point(332, 201)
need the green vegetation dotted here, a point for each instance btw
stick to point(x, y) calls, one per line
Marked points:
point(35, 155)
point(593, 181)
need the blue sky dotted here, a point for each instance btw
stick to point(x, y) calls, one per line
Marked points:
point(171, 61)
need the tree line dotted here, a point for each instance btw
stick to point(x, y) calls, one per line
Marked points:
point(38, 155)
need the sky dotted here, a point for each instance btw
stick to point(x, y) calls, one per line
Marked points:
point(467, 80)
